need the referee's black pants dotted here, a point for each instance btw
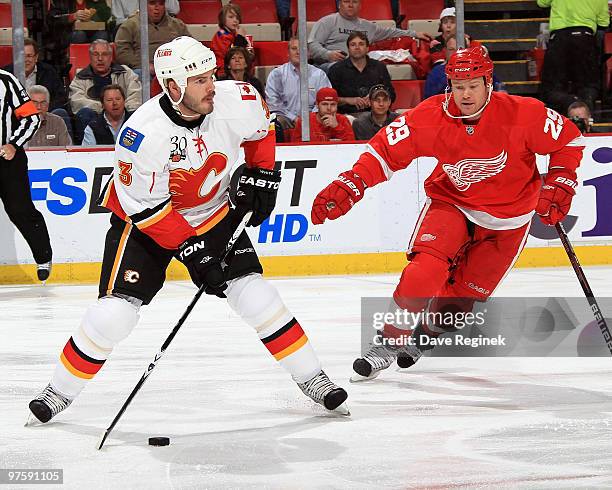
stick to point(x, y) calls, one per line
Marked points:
point(571, 68)
point(17, 200)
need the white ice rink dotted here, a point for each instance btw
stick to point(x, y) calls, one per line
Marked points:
point(236, 420)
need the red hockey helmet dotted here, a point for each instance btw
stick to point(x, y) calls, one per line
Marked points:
point(469, 63)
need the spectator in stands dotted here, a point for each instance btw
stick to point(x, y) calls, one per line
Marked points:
point(367, 124)
point(52, 130)
point(326, 124)
point(580, 114)
point(103, 130)
point(571, 63)
point(40, 73)
point(123, 9)
point(230, 34)
point(327, 40)
point(436, 82)
point(356, 75)
point(283, 87)
point(448, 28)
point(238, 66)
point(162, 28)
point(90, 11)
point(87, 85)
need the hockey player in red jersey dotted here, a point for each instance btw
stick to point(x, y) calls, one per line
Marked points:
point(482, 193)
point(169, 198)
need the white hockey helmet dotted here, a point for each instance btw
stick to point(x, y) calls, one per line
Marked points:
point(179, 59)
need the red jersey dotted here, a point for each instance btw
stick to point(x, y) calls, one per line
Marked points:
point(488, 168)
point(221, 42)
point(343, 131)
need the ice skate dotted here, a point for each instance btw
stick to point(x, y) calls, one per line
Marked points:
point(323, 391)
point(43, 271)
point(408, 356)
point(46, 406)
point(377, 359)
point(411, 353)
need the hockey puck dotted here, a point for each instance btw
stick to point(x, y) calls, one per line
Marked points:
point(159, 441)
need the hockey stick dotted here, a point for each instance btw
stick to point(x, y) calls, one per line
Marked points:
point(179, 324)
point(599, 318)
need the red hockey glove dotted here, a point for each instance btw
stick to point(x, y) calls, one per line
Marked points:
point(338, 197)
point(556, 196)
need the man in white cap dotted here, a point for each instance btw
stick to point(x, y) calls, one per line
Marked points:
point(169, 198)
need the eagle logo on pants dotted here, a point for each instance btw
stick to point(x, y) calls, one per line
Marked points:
point(470, 171)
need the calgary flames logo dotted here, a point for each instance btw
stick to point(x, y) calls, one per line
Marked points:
point(186, 186)
point(470, 171)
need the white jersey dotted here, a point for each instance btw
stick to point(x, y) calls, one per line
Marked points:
point(171, 176)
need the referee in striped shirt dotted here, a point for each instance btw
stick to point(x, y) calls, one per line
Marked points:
point(18, 123)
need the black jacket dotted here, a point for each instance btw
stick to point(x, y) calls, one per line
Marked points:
point(350, 82)
point(48, 77)
point(100, 129)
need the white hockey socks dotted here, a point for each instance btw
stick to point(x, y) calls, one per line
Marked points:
point(259, 305)
point(106, 322)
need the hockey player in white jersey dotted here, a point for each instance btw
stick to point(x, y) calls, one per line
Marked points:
point(169, 198)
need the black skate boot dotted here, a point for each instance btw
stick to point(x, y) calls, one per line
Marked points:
point(323, 391)
point(43, 271)
point(47, 405)
point(411, 353)
point(378, 358)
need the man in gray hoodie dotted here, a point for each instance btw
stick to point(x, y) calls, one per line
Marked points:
point(327, 39)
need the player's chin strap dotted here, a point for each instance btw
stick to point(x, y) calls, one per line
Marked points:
point(176, 105)
point(447, 98)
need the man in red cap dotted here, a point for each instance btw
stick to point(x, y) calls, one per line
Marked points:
point(326, 124)
point(482, 196)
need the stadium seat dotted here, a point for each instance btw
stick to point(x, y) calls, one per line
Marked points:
point(430, 26)
point(401, 71)
point(6, 35)
point(271, 53)
point(315, 9)
point(259, 19)
point(6, 20)
point(6, 55)
point(376, 10)
point(408, 93)
point(203, 32)
point(200, 12)
point(419, 9)
point(608, 43)
point(257, 11)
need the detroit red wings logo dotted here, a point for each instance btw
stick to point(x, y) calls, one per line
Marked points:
point(187, 187)
point(470, 171)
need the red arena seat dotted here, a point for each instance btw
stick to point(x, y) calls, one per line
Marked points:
point(6, 55)
point(376, 10)
point(257, 11)
point(315, 9)
point(419, 9)
point(200, 12)
point(268, 53)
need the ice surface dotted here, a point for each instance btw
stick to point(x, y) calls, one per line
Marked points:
point(236, 419)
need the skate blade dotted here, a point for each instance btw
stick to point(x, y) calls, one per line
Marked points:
point(358, 378)
point(32, 421)
point(342, 409)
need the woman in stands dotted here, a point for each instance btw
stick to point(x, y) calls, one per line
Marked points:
point(238, 66)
